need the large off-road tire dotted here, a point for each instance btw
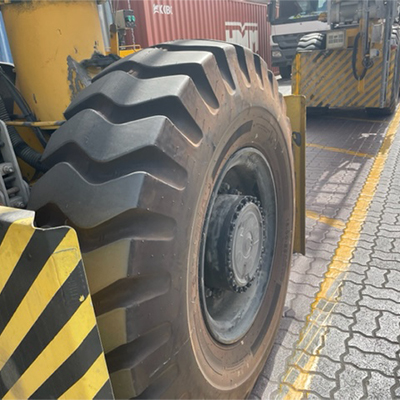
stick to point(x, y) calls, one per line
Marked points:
point(312, 41)
point(174, 166)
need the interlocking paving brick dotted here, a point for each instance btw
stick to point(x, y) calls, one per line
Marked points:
point(357, 276)
point(299, 306)
point(370, 361)
point(312, 396)
point(376, 206)
point(334, 343)
point(374, 345)
point(302, 288)
point(371, 228)
point(393, 278)
point(383, 293)
point(362, 256)
point(366, 321)
point(326, 367)
point(384, 244)
point(347, 310)
point(340, 321)
point(390, 218)
point(380, 304)
point(320, 384)
point(389, 326)
point(350, 292)
point(385, 255)
point(379, 386)
point(302, 264)
point(396, 243)
point(351, 383)
point(285, 338)
point(318, 267)
point(309, 279)
point(386, 266)
point(327, 233)
point(317, 246)
point(375, 276)
point(277, 364)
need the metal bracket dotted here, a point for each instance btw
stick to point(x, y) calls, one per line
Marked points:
point(14, 191)
point(296, 136)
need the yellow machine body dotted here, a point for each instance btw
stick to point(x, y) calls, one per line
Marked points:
point(47, 40)
point(49, 341)
point(325, 78)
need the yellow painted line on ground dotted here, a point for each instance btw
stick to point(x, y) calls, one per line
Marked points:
point(339, 150)
point(335, 223)
point(328, 295)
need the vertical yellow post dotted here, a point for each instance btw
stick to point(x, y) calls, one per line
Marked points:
point(296, 74)
point(296, 111)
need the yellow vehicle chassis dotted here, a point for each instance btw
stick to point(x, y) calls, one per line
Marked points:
point(325, 78)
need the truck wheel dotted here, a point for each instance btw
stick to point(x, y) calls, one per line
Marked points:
point(175, 169)
point(286, 71)
point(312, 41)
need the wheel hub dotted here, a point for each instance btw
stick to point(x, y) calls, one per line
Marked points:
point(234, 243)
point(246, 242)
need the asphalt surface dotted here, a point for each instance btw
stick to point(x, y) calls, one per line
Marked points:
point(340, 332)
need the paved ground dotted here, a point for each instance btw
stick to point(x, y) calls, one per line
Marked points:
point(340, 332)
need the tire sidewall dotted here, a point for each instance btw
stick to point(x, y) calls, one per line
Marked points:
point(242, 361)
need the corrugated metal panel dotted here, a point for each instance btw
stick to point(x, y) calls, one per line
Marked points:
point(237, 21)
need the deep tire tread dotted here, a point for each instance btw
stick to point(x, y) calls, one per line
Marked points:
point(133, 135)
point(259, 70)
point(312, 41)
point(131, 292)
point(218, 51)
point(124, 98)
point(146, 66)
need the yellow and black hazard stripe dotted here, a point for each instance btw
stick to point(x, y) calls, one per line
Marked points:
point(49, 342)
point(325, 78)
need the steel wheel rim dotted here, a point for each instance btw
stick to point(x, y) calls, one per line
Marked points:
point(240, 226)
